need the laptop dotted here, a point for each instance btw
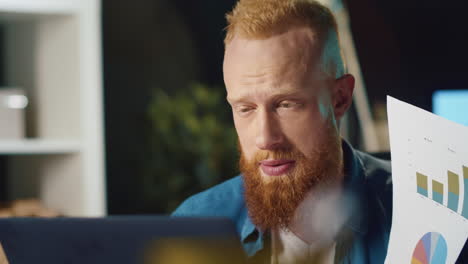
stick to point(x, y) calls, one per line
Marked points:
point(142, 240)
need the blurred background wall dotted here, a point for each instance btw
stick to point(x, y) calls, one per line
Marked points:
point(168, 128)
point(154, 51)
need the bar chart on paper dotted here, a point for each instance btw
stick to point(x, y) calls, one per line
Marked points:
point(454, 192)
point(430, 186)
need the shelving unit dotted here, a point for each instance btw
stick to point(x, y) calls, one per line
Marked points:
point(40, 7)
point(38, 146)
point(53, 52)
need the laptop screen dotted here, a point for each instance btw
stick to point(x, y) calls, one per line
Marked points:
point(120, 240)
point(451, 104)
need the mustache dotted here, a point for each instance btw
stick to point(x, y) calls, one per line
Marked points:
point(276, 154)
point(289, 152)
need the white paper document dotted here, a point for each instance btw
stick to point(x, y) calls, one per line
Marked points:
point(430, 186)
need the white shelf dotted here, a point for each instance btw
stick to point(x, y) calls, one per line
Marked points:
point(39, 7)
point(38, 146)
point(53, 52)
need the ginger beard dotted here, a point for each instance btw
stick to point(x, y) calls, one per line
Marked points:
point(272, 200)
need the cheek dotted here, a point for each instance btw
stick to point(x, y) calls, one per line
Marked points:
point(246, 138)
point(302, 136)
point(325, 107)
point(305, 131)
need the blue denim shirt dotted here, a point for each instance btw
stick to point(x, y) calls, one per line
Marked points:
point(366, 234)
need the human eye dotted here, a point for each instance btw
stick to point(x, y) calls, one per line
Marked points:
point(288, 104)
point(244, 109)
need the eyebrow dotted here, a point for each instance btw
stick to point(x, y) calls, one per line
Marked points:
point(275, 97)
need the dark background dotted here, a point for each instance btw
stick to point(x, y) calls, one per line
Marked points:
point(407, 49)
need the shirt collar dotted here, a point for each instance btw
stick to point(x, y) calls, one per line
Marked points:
point(248, 227)
point(354, 183)
point(354, 186)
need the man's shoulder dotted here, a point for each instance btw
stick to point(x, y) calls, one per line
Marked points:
point(379, 189)
point(223, 200)
point(378, 172)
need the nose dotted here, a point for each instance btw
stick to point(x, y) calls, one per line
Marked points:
point(269, 135)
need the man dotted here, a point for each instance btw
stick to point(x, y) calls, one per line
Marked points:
point(304, 194)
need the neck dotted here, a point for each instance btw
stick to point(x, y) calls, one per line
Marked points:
point(323, 212)
point(320, 216)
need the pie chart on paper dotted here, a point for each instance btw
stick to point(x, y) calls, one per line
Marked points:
point(431, 249)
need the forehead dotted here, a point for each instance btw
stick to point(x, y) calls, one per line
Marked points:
point(298, 44)
point(282, 62)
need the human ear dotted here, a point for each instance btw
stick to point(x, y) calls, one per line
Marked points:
point(342, 96)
